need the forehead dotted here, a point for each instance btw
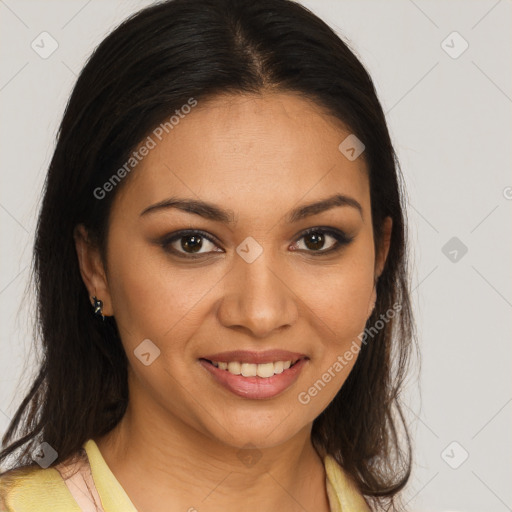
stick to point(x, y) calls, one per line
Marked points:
point(257, 151)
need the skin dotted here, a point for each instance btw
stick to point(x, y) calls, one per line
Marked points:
point(258, 156)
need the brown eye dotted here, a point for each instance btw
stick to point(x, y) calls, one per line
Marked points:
point(315, 240)
point(189, 244)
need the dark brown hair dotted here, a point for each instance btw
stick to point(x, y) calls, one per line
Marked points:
point(140, 74)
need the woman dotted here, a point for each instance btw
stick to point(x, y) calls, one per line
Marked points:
point(220, 263)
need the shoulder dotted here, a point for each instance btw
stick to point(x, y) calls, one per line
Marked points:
point(341, 489)
point(32, 488)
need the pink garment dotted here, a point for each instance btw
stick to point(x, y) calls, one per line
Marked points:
point(78, 479)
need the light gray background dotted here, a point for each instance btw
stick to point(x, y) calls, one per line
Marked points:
point(450, 119)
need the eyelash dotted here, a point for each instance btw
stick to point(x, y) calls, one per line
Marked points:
point(341, 238)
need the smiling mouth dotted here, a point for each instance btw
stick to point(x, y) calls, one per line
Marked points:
point(262, 370)
point(256, 381)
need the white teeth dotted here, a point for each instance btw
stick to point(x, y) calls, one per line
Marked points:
point(264, 370)
point(234, 368)
point(249, 370)
point(278, 367)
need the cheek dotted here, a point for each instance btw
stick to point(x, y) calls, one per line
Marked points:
point(339, 300)
point(340, 295)
point(151, 299)
point(340, 314)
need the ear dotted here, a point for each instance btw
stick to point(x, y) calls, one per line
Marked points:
point(92, 269)
point(380, 258)
point(383, 249)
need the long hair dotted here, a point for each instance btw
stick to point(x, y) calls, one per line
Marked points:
point(144, 70)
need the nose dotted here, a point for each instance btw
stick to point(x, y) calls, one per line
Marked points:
point(258, 298)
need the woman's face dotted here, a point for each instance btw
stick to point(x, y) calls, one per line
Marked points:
point(251, 281)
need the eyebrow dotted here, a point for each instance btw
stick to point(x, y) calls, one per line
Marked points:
point(212, 212)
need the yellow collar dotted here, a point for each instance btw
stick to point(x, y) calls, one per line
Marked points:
point(44, 490)
point(342, 493)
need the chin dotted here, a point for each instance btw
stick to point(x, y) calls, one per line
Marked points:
point(255, 431)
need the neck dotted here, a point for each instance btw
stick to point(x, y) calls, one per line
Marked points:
point(161, 460)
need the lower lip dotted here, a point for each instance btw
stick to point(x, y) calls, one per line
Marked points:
point(256, 387)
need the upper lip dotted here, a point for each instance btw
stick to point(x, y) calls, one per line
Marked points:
point(246, 356)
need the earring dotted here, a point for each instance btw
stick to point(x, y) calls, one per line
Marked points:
point(98, 307)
